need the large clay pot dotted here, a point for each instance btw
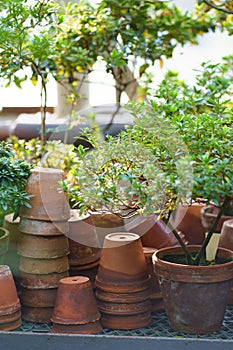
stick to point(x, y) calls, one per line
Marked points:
point(208, 216)
point(48, 202)
point(195, 297)
point(187, 219)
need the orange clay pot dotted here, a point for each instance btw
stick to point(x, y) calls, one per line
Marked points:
point(38, 297)
point(153, 232)
point(43, 247)
point(126, 322)
point(9, 301)
point(122, 266)
point(49, 202)
point(187, 219)
point(195, 297)
point(75, 302)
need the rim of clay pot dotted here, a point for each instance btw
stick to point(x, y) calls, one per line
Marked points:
point(188, 273)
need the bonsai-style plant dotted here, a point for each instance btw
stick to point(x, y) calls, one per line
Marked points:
point(13, 177)
point(178, 151)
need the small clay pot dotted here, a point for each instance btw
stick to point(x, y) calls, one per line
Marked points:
point(9, 301)
point(208, 216)
point(45, 281)
point(126, 322)
point(43, 266)
point(43, 247)
point(155, 293)
point(88, 328)
point(44, 228)
point(49, 202)
point(38, 297)
point(187, 219)
point(75, 302)
point(105, 223)
point(122, 266)
point(37, 314)
point(153, 232)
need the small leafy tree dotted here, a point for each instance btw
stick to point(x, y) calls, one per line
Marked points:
point(13, 177)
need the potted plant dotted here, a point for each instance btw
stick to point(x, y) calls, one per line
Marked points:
point(178, 151)
point(13, 176)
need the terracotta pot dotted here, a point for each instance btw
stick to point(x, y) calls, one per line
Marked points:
point(45, 281)
point(209, 214)
point(204, 290)
point(226, 241)
point(10, 326)
point(43, 247)
point(134, 297)
point(106, 223)
point(44, 228)
point(9, 301)
point(75, 302)
point(187, 219)
point(126, 322)
point(49, 202)
point(43, 266)
point(123, 308)
point(83, 240)
point(8, 318)
point(38, 297)
point(155, 293)
point(89, 271)
point(153, 232)
point(122, 266)
point(11, 257)
point(4, 243)
point(37, 314)
point(88, 328)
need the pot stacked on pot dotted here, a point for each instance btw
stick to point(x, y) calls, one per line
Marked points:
point(122, 283)
point(43, 247)
point(83, 245)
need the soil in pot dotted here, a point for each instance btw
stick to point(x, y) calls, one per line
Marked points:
point(195, 297)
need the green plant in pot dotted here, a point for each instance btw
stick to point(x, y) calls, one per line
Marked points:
point(179, 150)
point(13, 176)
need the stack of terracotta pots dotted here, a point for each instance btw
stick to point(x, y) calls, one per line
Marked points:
point(43, 247)
point(76, 309)
point(84, 246)
point(10, 313)
point(122, 283)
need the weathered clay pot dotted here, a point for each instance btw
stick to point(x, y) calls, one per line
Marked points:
point(38, 297)
point(195, 297)
point(75, 302)
point(106, 223)
point(10, 314)
point(187, 219)
point(209, 214)
point(134, 297)
point(49, 203)
point(4, 243)
point(43, 266)
point(153, 232)
point(83, 240)
point(155, 293)
point(43, 247)
point(44, 228)
point(37, 314)
point(11, 257)
point(41, 281)
point(226, 241)
point(9, 301)
point(122, 266)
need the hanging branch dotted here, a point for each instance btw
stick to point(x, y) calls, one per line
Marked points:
point(216, 7)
